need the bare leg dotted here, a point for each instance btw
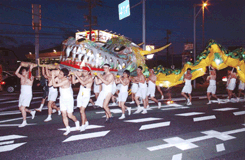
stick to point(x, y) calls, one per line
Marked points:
point(133, 96)
point(96, 95)
point(183, 94)
point(208, 95)
point(23, 112)
point(92, 102)
point(123, 107)
point(214, 95)
point(65, 119)
point(55, 107)
point(50, 107)
point(105, 105)
point(72, 117)
point(137, 101)
point(145, 103)
point(154, 99)
point(159, 89)
point(83, 115)
point(190, 97)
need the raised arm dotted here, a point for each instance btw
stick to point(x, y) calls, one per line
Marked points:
point(124, 81)
point(17, 72)
point(48, 74)
point(108, 81)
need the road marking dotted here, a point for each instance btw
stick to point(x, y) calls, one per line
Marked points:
point(14, 125)
point(204, 118)
point(220, 147)
point(14, 119)
point(10, 147)
point(88, 127)
point(143, 120)
point(188, 144)
point(225, 109)
point(87, 136)
point(239, 113)
point(219, 135)
point(8, 137)
point(202, 97)
point(6, 142)
point(177, 157)
point(190, 114)
point(9, 113)
point(154, 125)
point(112, 110)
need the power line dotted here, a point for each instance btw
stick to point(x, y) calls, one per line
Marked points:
point(37, 15)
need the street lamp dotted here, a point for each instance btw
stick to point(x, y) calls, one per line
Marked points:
point(195, 16)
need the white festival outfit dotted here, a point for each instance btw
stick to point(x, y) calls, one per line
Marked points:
point(83, 96)
point(188, 87)
point(106, 89)
point(231, 86)
point(241, 85)
point(119, 86)
point(114, 88)
point(134, 88)
point(142, 91)
point(123, 94)
point(66, 99)
point(212, 86)
point(96, 88)
point(151, 89)
point(53, 93)
point(25, 95)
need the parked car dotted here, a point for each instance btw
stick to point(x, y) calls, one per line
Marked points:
point(6, 74)
point(12, 84)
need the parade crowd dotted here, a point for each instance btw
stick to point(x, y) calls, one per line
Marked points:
point(106, 87)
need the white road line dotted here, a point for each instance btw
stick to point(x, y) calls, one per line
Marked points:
point(204, 118)
point(225, 109)
point(154, 125)
point(88, 127)
point(220, 147)
point(8, 137)
point(10, 147)
point(15, 125)
point(14, 119)
point(190, 114)
point(87, 136)
point(177, 157)
point(143, 120)
point(6, 142)
point(239, 113)
point(188, 144)
point(9, 113)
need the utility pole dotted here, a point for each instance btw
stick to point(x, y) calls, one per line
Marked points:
point(89, 18)
point(36, 26)
point(143, 25)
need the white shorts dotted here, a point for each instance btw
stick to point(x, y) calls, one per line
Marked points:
point(119, 86)
point(211, 89)
point(231, 86)
point(83, 97)
point(105, 91)
point(114, 88)
point(241, 86)
point(25, 96)
point(122, 97)
point(66, 100)
point(96, 88)
point(187, 89)
point(53, 93)
point(151, 91)
point(134, 87)
point(142, 93)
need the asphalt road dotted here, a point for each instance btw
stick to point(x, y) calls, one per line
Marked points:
point(174, 132)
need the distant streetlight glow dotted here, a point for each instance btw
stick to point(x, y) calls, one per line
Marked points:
point(30, 53)
point(205, 4)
